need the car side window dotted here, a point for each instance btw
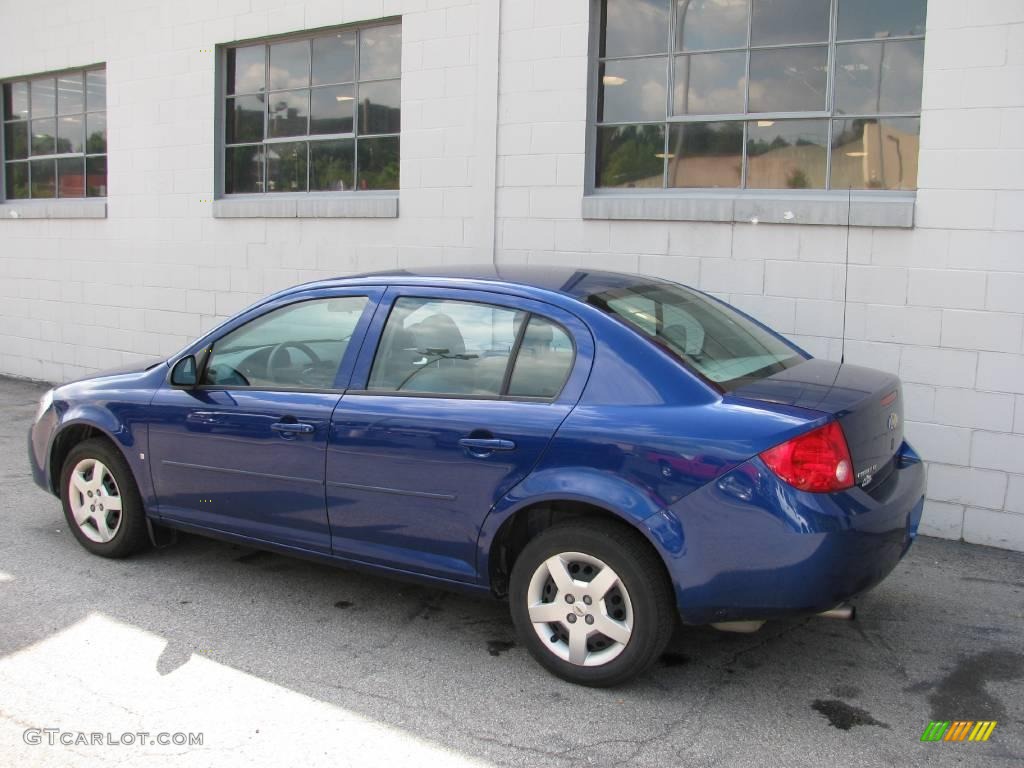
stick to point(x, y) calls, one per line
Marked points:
point(449, 347)
point(543, 362)
point(445, 347)
point(299, 346)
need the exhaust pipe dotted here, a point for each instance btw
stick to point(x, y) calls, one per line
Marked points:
point(845, 612)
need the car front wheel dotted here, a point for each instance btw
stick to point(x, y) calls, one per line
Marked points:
point(101, 500)
point(591, 602)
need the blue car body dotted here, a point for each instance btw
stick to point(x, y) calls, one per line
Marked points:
point(388, 482)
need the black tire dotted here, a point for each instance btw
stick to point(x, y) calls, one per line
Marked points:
point(131, 534)
point(639, 571)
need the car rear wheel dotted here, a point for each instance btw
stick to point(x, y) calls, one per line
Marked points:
point(101, 500)
point(591, 602)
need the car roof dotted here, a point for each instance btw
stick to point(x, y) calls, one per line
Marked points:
point(574, 282)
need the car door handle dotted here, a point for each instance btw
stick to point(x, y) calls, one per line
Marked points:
point(293, 428)
point(486, 445)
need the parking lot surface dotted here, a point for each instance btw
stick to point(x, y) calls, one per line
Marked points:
point(278, 661)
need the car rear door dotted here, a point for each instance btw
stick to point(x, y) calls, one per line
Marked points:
point(244, 451)
point(455, 396)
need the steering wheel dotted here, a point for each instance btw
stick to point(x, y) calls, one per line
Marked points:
point(277, 357)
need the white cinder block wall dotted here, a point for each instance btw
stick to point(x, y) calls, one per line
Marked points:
point(493, 137)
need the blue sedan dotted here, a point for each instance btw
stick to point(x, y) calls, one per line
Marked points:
point(609, 452)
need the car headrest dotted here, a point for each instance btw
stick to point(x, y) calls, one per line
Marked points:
point(439, 331)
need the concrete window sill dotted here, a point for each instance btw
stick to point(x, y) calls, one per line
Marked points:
point(14, 210)
point(876, 209)
point(359, 206)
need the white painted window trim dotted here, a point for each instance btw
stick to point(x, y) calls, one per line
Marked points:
point(875, 209)
point(360, 205)
point(54, 208)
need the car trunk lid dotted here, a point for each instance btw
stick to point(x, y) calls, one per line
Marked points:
point(867, 403)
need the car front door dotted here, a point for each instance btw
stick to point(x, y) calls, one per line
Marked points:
point(455, 396)
point(243, 451)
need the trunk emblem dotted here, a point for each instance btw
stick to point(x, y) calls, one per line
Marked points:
point(894, 421)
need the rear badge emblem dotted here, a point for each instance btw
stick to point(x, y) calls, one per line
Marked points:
point(894, 421)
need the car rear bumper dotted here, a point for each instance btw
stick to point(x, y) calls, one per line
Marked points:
point(749, 546)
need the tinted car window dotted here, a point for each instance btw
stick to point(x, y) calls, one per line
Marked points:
point(298, 346)
point(440, 346)
point(543, 362)
point(716, 341)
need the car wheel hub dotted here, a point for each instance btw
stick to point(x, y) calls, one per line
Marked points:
point(580, 609)
point(95, 500)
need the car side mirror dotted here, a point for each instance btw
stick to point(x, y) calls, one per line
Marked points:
point(184, 372)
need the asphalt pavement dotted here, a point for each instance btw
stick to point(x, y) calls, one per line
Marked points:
point(272, 661)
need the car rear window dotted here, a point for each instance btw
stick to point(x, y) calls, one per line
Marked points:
point(716, 341)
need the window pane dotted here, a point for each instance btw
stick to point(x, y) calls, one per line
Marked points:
point(71, 177)
point(875, 154)
point(244, 119)
point(444, 347)
point(44, 97)
point(289, 111)
point(96, 89)
point(786, 154)
point(243, 169)
point(631, 156)
point(246, 69)
point(713, 338)
point(879, 77)
point(331, 165)
point(96, 133)
point(378, 163)
point(15, 101)
point(96, 176)
point(790, 21)
point(16, 140)
point(44, 136)
point(298, 346)
point(709, 83)
point(380, 107)
point(334, 58)
point(544, 360)
point(16, 181)
point(632, 27)
point(289, 65)
point(632, 90)
point(707, 24)
point(44, 178)
point(332, 109)
point(286, 167)
point(705, 155)
point(865, 19)
point(69, 135)
point(70, 95)
point(788, 79)
point(380, 52)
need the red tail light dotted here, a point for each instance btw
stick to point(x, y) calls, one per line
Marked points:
point(818, 461)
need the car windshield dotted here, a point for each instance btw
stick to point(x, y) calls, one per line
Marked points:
point(719, 343)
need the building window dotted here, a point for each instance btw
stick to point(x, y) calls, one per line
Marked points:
point(55, 135)
point(314, 114)
point(759, 94)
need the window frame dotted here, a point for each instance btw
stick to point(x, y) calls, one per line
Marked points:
point(221, 118)
point(56, 202)
point(595, 61)
point(513, 355)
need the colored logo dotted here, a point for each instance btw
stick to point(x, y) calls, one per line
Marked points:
point(958, 730)
point(894, 421)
